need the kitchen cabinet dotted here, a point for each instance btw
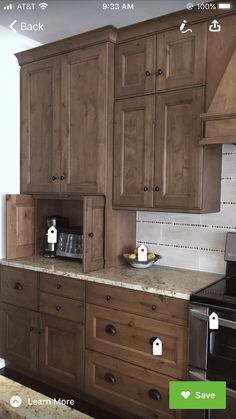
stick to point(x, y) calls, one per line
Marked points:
point(61, 350)
point(18, 336)
point(160, 164)
point(40, 126)
point(135, 67)
point(45, 340)
point(133, 152)
point(26, 224)
point(63, 138)
point(169, 60)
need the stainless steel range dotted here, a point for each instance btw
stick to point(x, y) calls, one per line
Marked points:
point(212, 353)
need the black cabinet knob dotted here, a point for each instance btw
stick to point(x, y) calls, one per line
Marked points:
point(59, 286)
point(58, 308)
point(54, 178)
point(157, 188)
point(31, 329)
point(159, 72)
point(108, 297)
point(18, 286)
point(110, 329)
point(152, 340)
point(145, 188)
point(154, 307)
point(148, 74)
point(110, 378)
point(154, 394)
point(62, 177)
point(91, 235)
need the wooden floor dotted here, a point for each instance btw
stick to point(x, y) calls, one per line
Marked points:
point(49, 391)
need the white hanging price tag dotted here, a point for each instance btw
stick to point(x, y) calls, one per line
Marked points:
point(52, 235)
point(157, 347)
point(142, 253)
point(213, 321)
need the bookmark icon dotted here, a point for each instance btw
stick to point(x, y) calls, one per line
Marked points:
point(213, 321)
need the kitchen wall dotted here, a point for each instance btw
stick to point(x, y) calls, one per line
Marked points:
point(194, 241)
point(9, 119)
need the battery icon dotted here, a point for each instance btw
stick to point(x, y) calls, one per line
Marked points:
point(224, 6)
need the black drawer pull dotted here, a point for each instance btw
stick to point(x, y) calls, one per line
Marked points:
point(31, 329)
point(62, 177)
point(148, 74)
point(54, 178)
point(160, 72)
point(108, 297)
point(145, 188)
point(59, 286)
point(152, 340)
point(110, 329)
point(58, 308)
point(18, 286)
point(154, 307)
point(110, 378)
point(91, 235)
point(154, 394)
point(157, 188)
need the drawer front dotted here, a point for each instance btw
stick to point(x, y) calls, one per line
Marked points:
point(169, 309)
point(62, 286)
point(62, 307)
point(141, 392)
point(130, 338)
point(19, 287)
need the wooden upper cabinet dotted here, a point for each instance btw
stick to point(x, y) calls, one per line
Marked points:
point(178, 163)
point(181, 58)
point(84, 120)
point(135, 67)
point(40, 124)
point(133, 148)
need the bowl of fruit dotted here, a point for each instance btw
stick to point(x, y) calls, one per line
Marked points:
point(132, 259)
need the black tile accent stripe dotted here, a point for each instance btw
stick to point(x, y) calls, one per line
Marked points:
point(219, 227)
point(205, 249)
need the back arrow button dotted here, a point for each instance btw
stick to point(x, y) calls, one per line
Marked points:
point(12, 24)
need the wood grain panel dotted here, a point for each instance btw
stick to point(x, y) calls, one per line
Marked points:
point(65, 287)
point(20, 221)
point(62, 307)
point(121, 384)
point(133, 152)
point(128, 337)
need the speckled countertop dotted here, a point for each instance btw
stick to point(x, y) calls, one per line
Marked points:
point(29, 410)
point(163, 280)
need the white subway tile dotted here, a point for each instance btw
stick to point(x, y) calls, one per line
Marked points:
point(229, 165)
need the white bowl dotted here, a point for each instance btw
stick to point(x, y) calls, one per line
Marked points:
point(135, 263)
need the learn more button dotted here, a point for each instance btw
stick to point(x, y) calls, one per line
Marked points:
point(197, 395)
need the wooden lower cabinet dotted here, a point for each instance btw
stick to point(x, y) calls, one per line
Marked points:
point(139, 391)
point(19, 336)
point(61, 350)
point(129, 337)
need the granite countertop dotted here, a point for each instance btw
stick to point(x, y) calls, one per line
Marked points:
point(28, 410)
point(163, 280)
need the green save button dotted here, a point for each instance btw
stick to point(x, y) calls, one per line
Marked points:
point(197, 395)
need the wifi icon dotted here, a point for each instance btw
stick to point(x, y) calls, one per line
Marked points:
point(43, 5)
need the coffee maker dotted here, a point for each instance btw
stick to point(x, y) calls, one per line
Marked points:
point(49, 248)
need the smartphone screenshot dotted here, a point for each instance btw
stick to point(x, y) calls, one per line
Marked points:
point(117, 209)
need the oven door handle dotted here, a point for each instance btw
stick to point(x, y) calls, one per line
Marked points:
point(222, 322)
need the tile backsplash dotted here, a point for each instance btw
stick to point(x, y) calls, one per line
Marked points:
point(194, 241)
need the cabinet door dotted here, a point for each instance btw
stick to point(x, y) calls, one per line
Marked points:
point(181, 58)
point(84, 120)
point(135, 67)
point(40, 107)
point(178, 157)
point(133, 152)
point(93, 233)
point(19, 336)
point(61, 349)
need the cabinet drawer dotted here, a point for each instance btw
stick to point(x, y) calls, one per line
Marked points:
point(140, 392)
point(130, 338)
point(62, 286)
point(62, 307)
point(145, 304)
point(19, 287)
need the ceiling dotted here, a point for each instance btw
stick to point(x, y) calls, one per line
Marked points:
point(64, 18)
